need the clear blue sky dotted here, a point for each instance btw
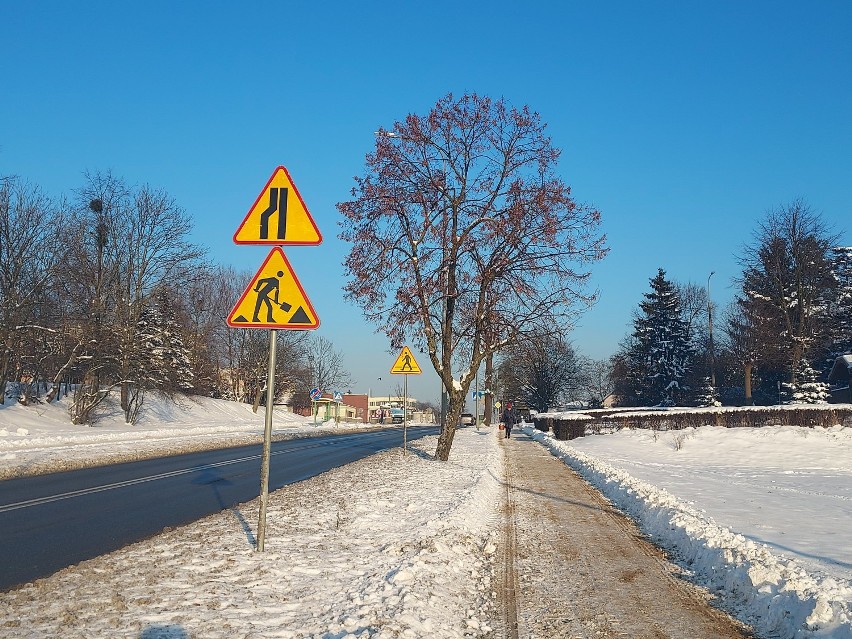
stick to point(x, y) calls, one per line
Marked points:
point(682, 121)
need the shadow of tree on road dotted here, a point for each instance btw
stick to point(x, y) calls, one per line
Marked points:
point(158, 631)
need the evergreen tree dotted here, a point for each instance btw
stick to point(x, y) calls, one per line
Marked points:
point(807, 389)
point(839, 311)
point(163, 359)
point(659, 352)
point(706, 394)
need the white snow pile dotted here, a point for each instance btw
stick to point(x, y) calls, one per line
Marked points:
point(390, 546)
point(40, 437)
point(769, 482)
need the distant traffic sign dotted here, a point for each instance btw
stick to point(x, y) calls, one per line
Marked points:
point(405, 364)
point(316, 393)
point(274, 299)
point(278, 216)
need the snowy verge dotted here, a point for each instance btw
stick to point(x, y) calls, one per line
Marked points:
point(775, 596)
point(389, 547)
point(40, 438)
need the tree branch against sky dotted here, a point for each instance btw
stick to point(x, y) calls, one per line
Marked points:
point(464, 238)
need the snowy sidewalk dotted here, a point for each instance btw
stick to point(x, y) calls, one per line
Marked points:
point(584, 570)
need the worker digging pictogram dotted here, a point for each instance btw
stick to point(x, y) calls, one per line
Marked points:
point(274, 299)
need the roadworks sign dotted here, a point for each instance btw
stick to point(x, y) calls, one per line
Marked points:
point(278, 216)
point(405, 364)
point(274, 299)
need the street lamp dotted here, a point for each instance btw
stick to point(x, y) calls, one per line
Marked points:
point(710, 329)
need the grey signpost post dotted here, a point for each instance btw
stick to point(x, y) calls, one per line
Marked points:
point(267, 443)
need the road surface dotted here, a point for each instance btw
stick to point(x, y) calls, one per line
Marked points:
point(52, 521)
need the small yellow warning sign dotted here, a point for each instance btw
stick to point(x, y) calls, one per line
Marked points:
point(274, 299)
point(278, 216)
point(405, 364)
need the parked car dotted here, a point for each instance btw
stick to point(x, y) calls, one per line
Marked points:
point(466, 419)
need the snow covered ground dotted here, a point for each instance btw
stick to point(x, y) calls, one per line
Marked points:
point(40, 437)
point(760, 516)
point(391, 546)
point(395, 546)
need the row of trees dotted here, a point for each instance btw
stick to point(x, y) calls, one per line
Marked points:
point(775, 342)
point(103, 293)
point(778, 339)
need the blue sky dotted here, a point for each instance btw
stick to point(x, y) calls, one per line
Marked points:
point(682, 121)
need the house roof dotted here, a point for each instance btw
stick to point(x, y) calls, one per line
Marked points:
point(842, 369)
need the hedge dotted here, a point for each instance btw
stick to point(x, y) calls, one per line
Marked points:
point(569, 425)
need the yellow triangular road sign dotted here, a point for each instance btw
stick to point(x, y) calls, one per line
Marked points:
point(278, 216)
point(405, 363)
point(274, 299)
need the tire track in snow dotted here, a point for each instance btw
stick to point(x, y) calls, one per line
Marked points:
point(509, 573)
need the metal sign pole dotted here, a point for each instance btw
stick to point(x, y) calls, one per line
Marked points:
point(267, 444)
point(405, 415)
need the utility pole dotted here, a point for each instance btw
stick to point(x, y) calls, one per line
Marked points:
point(710, 329)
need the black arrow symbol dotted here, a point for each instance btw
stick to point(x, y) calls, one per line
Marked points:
point(277, 202)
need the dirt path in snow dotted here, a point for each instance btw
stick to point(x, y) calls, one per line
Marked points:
point(582, 569)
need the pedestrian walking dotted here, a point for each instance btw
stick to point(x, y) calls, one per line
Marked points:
point(509, 419)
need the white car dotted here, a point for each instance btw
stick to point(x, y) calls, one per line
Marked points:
point(466, 419)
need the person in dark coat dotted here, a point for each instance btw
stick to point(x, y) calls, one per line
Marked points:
point(509, 418)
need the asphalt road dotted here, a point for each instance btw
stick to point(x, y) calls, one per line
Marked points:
point(53, 521)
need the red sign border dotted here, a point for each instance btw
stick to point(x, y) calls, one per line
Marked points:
point(257, 201)
point(284, 327)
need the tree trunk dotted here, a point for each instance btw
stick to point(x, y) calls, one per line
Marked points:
point(4, 368)
point(489, 396)
point(57, 379)
point(445, 440)
point(747, 380)
point(257, 395)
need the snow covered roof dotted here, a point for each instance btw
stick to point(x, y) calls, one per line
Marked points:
point(841, 369)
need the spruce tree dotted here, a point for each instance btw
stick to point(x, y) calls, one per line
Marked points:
point(705, 394)
point(839, 309)
point(164, 361)
point(807, 389)
point(659, 351)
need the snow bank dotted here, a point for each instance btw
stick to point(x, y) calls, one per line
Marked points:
point(40, 438)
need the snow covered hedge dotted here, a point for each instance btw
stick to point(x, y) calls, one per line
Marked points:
point(568, 425)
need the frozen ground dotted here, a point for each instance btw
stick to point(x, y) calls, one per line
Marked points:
point(397, 546)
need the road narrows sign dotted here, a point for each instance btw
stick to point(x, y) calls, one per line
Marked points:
point(274, 299)
point(405, 364)
point(278, 216)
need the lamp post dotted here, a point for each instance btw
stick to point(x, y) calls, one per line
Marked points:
point(710, 330)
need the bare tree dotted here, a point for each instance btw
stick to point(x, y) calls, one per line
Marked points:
point(326, 364)
point(543, 371)
point(693, 309)
point(743, 333)
point(465, 239)
point(595, 380)
point(30, 252)
point(208, 293)
point(129, 241)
